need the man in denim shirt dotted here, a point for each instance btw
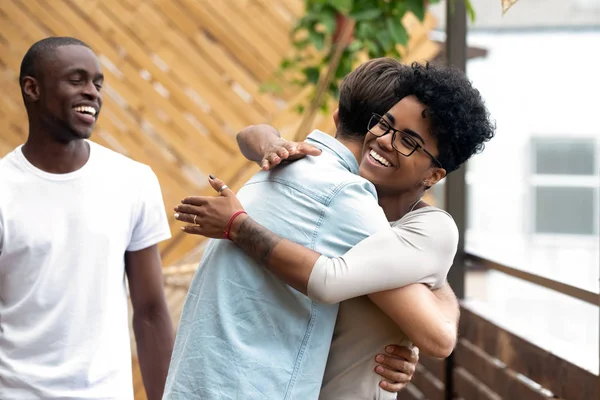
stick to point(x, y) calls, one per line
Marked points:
point(245, 334)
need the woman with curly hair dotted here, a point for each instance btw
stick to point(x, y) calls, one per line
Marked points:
point(438, 123)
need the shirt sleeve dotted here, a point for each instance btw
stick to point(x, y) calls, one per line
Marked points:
point(419, 249)
point(151, 225)
point(352, 215)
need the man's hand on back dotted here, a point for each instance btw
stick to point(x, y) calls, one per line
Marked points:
point(397, 367)
point(263, 144)
point(282, 149)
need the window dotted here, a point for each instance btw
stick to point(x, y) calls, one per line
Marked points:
point(565, 186)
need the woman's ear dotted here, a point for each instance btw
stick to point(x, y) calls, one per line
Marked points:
point(435, 175)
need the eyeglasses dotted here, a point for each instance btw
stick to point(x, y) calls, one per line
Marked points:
point(402, 142)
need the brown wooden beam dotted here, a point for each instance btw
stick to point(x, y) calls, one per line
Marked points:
point(561, 377)
point(494, 375)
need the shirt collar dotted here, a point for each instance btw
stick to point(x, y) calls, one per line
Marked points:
point(332, 145)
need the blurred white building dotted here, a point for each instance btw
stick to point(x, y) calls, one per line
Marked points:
point(534, 201)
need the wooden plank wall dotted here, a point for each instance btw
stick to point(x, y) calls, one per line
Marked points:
point(182, 77)
point(493, 363)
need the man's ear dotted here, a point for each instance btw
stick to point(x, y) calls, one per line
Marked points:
point(336, 117)
point(31, 89)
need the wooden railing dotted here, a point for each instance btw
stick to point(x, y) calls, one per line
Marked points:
point(493, 362)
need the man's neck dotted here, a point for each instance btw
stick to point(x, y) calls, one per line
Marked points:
point(354, 147)
point(54, 157)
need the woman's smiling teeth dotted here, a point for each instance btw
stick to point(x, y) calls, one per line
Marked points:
point(379, 158)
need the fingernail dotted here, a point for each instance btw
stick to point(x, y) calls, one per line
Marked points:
point(211, 176)
point(389, 349)
point(379, 369)
point(379, 358)
point(183, 228)
point(176, 215)
point(383, 385)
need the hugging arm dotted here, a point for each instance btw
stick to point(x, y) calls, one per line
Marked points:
point(428, 318)
point(420, 250)
point(386, 266)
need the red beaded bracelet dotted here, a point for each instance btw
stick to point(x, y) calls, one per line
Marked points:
point(233, 217)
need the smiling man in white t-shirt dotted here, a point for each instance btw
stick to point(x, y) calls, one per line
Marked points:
point(76, 219)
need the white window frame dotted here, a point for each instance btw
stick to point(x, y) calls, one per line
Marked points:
point(552, 180)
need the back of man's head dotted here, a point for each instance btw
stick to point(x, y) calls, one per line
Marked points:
point(370, 88)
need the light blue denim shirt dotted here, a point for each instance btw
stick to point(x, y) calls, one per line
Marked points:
point(243, 333)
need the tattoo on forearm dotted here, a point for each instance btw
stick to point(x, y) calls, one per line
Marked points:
point(256, 241)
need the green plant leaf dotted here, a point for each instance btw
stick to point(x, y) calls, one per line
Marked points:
point(312, 74)
point(371, 48)
point(399, 9)
point(397, 33)
point(385, 40)
point(417, 7)
point(317, 39)
point(328, 19)
point(378, 31)
point(345, 65)
point(343, 6)
point(365, 15)
point(355, 46)
point(366, 30)
point(285, 63)
point(470, 10)
point(301, 44)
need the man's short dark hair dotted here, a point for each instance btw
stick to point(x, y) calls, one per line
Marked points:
point(41, 50)
point(459, 119)
point(370, 88)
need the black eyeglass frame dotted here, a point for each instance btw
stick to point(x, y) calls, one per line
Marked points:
point(376, 119)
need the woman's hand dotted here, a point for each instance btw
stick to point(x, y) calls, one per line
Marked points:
point(209, 216)
point(281, 149)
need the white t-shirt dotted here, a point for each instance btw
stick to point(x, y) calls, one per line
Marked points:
point(63, 300)
point(418, 248)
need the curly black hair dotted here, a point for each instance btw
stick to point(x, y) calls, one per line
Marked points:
point(460, 122)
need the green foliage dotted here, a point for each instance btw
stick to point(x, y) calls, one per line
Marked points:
point(378, 31)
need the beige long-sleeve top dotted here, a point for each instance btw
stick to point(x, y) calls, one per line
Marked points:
point(418, 248)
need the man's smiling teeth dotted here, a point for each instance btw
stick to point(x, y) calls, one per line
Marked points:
point(379, 158)
point(86, 110)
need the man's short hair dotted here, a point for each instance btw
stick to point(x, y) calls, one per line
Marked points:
point(370, 88)
point(44, 49)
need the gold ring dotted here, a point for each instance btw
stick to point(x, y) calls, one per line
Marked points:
point(195, 219)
